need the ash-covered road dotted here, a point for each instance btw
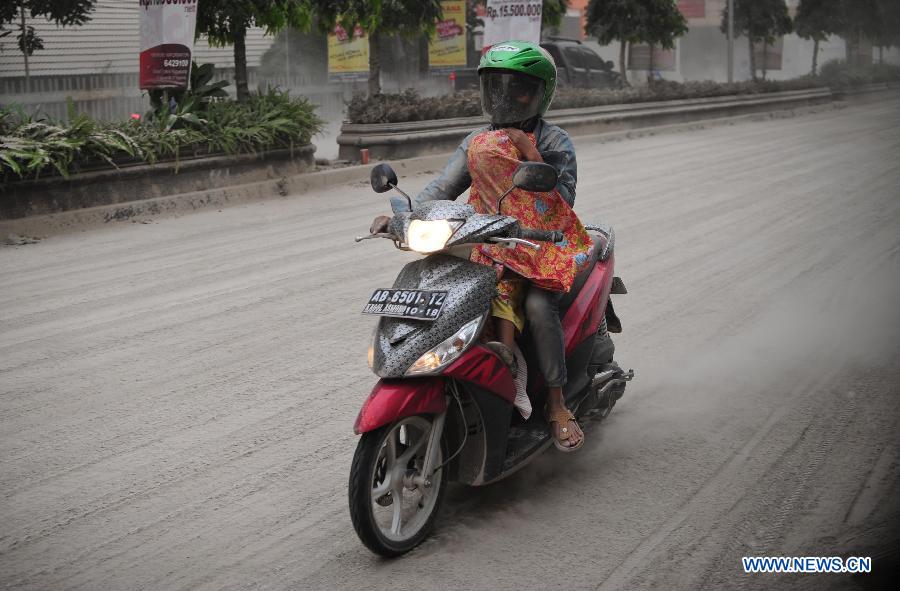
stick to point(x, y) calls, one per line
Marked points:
point(177, 398)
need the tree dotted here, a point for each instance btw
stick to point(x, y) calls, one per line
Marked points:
point(225, 22)
point(817, 20)
point(380, 18)
point(760, 21)
point(877, 20)
point(655, 22)
point(552, 12)
point(64, 13)
point(666, 23)
point(887, 30)
point(858, 19)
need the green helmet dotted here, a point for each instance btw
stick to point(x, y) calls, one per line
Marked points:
point(518, 80)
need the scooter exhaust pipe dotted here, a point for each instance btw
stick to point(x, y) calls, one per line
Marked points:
point(607, 380)
point(602, 384)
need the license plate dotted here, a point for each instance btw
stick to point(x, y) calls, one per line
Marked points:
point(406, 303)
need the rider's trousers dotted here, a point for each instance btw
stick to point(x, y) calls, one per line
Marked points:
point(545, 328)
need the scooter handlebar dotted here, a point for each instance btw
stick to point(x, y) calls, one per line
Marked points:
point(541, 235)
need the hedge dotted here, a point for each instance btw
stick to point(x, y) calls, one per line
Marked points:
point(410, 106)
point(31, 146)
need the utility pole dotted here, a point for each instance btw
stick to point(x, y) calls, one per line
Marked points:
point(25, 49)
point(287, 57)
point(730, 40)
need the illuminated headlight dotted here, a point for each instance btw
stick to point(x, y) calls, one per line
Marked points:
point(447, 351)
point(430, 235)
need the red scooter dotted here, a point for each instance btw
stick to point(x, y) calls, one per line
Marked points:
point(443, 409)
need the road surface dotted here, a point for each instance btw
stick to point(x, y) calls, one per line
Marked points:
point(177, 397)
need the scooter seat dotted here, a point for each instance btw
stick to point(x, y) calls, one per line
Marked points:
point(581, 278)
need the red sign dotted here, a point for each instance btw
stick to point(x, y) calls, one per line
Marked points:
point(692, 8)
point(167, 40)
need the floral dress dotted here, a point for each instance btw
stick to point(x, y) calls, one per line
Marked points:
point(492, 160)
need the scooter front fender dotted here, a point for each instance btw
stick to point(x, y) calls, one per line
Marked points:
point(391, 400)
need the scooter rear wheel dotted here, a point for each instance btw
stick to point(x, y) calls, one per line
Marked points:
point(390, 514)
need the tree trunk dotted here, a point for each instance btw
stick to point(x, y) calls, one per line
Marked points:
point(765, 56)
point(815, 56)
point(240, 65)
point(752, 59)
point(374, 65)
point(623, 48)
point(881, 55)
point(650, 65)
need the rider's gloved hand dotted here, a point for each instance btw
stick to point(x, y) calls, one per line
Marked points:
point(379, 224)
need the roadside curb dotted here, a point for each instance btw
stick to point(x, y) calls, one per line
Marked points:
point(137, 211)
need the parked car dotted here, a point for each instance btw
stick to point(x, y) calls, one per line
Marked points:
point(577, 66)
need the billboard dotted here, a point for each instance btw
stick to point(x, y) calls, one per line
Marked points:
point(348, 55)
point(167, 42)
point(639, 58)
point(692, 8)
point(512, 20)
point(768, 55)
point(447, 47)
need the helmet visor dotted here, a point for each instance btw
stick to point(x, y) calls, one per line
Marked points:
point(509, 97)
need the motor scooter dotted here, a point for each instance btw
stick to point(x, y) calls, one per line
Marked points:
point(443, 408)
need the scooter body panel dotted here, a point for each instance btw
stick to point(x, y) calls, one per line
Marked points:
point(391, 400)
point(482, 367)
point(400, 342)
point(583, 318)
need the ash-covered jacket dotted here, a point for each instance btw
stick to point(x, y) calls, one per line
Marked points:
point(553, 143)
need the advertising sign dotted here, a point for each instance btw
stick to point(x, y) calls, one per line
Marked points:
point(639, 58)
point(769, 54)
point(447, 47)
point(692, 8)
point(348, 55)
point(167, 41)
point(512, 20)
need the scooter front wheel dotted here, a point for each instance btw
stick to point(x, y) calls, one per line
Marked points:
point(391, 513)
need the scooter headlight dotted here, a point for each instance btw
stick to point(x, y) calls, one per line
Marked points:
point(430, 235)
point(447, 351)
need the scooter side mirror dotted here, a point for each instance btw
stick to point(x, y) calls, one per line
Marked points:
point(536, 177)
point(383, 178)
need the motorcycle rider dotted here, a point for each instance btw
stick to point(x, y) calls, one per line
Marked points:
point(518, 81)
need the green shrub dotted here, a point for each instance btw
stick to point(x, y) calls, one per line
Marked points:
point(201, 91)
point(31, 146)
point(837, 74)
point(410, 106)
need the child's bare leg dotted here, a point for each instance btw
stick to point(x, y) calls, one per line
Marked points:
point(506, 331)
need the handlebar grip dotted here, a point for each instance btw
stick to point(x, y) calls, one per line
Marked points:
point(541, 235)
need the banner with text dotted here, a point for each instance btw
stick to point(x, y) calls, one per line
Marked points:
point(447, 47)
point(167, 42)
point(512, 20)
point(348, 55)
